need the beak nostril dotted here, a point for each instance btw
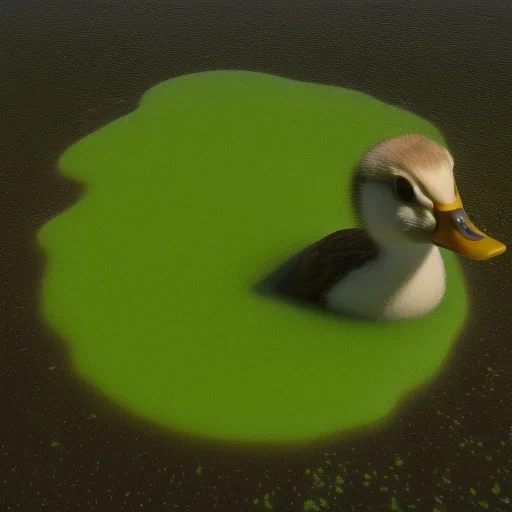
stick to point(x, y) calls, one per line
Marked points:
point(462, 224)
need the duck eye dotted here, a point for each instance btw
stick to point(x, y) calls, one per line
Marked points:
point(404, 190)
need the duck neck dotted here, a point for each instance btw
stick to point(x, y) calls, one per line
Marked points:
point(415, 281)
point(407, 255)
point(416, 266)
point(404, 281)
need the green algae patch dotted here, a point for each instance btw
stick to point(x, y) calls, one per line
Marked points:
point(216, 179)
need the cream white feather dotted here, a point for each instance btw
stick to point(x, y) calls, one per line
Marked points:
point(407, 279)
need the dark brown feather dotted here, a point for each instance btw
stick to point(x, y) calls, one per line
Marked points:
point(330, 259)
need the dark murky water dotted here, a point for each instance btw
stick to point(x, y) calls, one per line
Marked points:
point(71, 67)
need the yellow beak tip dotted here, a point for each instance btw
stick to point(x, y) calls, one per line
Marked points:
point(493, 248)
point(500, 249)
point(481, 250)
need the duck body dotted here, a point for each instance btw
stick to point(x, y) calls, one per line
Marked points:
point(347, 271)
point(408, 205)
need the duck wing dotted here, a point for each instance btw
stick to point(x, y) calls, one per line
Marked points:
point(330, 259)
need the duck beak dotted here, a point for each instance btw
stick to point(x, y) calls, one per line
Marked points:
point(457, 233)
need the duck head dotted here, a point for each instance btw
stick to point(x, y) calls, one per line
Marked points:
point(405, 193)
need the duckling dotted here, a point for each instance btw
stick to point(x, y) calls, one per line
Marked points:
point(407, 203)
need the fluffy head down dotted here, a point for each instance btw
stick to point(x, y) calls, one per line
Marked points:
point(396, 184)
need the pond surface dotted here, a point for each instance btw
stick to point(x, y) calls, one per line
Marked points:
point(212, 182)
point(73, 69)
